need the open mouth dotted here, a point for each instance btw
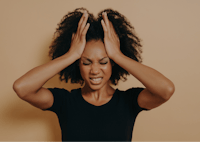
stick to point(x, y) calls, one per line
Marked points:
point(96, 80)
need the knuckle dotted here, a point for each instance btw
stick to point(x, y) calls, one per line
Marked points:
point(82, 26)
point(106, 31)
point(82, 34)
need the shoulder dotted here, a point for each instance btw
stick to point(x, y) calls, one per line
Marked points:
point(58, 90)
point(131, 97)
point(132, 91)
point(60, 93)
point(131, 94)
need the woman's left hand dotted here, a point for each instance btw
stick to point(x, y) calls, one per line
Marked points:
point(111, 39)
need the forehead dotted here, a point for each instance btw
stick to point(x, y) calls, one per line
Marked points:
point(94, 50)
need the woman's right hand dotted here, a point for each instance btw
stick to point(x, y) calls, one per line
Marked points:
point(78, 40)
point(29, 86)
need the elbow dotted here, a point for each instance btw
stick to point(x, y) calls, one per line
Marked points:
point(17, 87)
point(169, 91)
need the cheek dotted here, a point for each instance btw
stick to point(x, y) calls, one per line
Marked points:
point(84, 71)
point(107, 69)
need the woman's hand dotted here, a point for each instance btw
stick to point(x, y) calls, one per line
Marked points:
point(78, 40)
point(29, 87)
point(111, 39)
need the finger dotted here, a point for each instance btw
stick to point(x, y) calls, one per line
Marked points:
point(104, 26)
point(83, 24)
point(105, 18)
point(80, 21)
point(112, 29)
point(85, 30)
point(106, 21)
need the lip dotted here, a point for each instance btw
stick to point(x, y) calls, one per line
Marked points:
point(96, 82)
point(96, 77)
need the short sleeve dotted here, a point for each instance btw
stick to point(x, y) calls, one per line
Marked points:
point(59, 96)
point(133, 94)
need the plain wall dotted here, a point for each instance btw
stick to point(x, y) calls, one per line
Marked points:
point(170, 33)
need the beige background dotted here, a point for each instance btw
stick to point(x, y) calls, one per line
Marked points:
point(170, 33)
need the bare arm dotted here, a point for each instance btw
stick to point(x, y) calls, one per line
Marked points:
point(158, 88)
point(29, 86)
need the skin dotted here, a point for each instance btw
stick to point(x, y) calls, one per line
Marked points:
point(158, 88)
point(29, 87)
point(95, 62)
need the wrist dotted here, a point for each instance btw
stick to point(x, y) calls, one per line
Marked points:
point(116, 56)
point(74, 56)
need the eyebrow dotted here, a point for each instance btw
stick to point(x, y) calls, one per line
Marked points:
point(91, 60)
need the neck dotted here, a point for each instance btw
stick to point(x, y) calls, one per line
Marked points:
point(104, 92)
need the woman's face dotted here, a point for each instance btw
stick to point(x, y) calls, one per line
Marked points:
point(95, 66)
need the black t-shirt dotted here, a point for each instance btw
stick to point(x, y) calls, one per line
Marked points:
point(81, 121)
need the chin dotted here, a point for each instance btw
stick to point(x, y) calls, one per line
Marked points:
point(96, 86)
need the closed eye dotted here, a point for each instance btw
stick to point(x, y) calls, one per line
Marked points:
point(104, 63)
point(90, 63)
point(86, 64)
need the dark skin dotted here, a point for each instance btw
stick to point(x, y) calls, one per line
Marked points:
point(158, 88)
point(95, 63)
point(30, 88)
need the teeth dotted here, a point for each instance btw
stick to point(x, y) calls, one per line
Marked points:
point(96, 79)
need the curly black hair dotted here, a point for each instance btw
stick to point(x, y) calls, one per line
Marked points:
point(130, 44)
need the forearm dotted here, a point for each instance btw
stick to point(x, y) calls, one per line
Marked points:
point(33, 80)
point(154, 81)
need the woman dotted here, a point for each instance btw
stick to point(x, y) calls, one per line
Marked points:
point(95, 52)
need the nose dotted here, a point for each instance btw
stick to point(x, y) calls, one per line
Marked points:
point(95, 69)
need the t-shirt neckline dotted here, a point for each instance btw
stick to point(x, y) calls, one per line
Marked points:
point(109, 102)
